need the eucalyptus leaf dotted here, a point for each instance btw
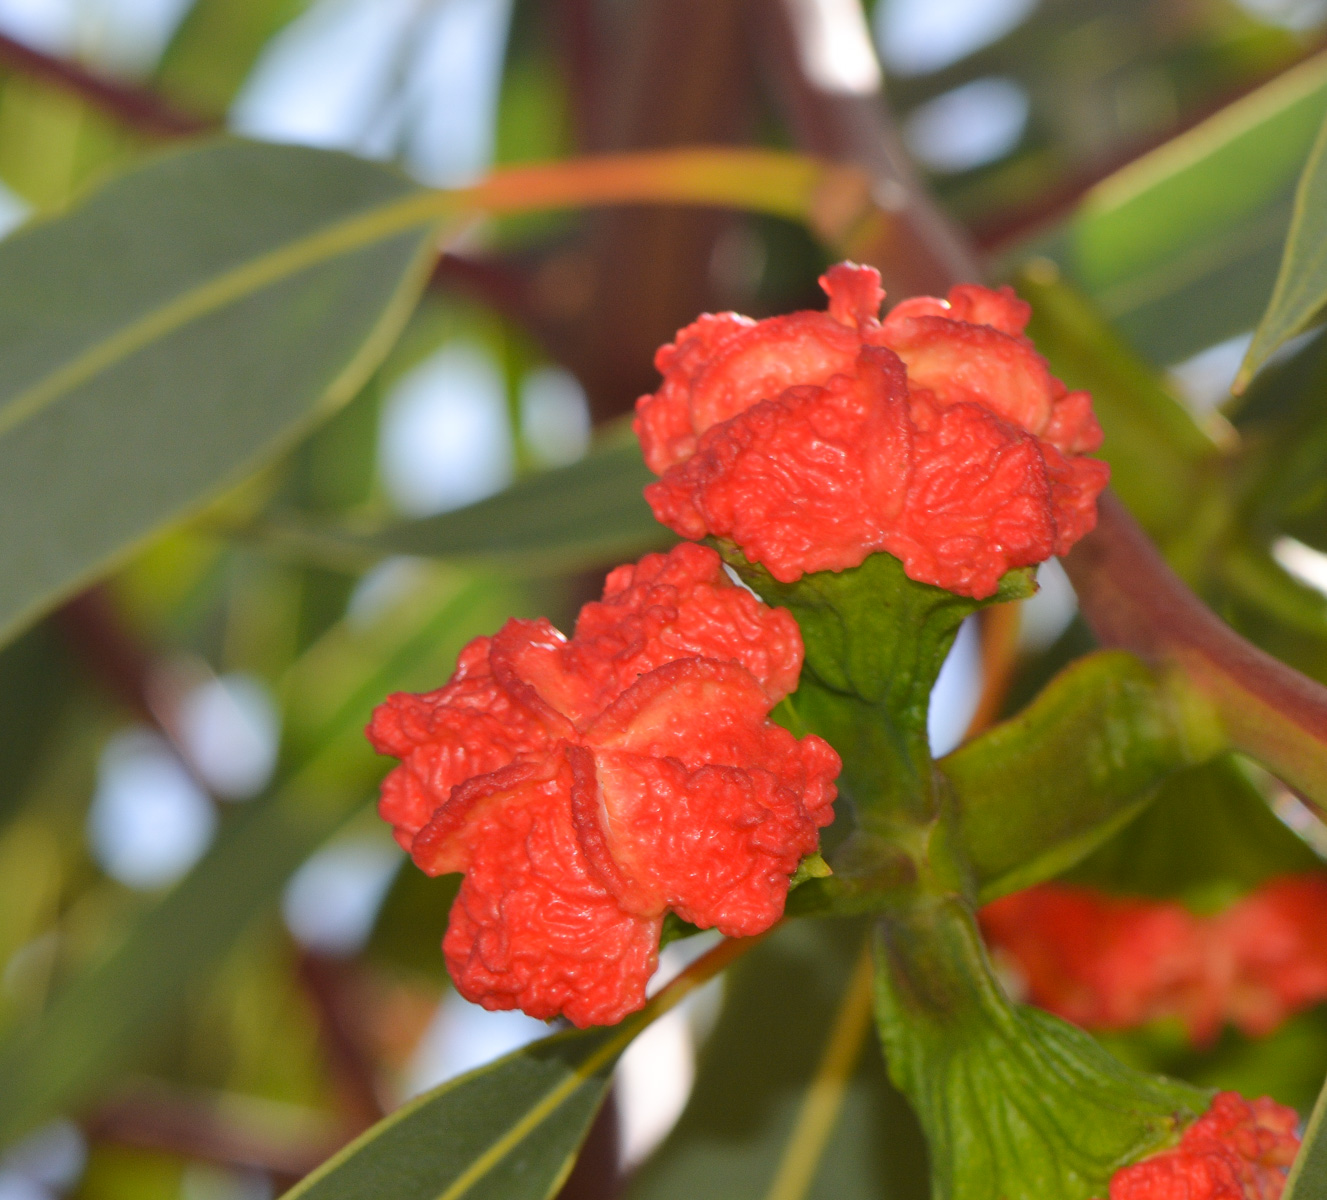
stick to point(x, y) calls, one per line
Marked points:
point(1046, 787)
point(566, 519)
point(1308, 1176)
point(253, 289)
point(507, 1131)
point(1179, 249)
point(1301, 286)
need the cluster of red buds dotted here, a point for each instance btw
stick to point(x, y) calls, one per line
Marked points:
point(588, 785)
point(1237, 1150)
point(814, 439)
point(1112, 963)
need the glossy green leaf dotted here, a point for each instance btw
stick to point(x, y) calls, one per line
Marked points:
point(1301, 285)
point(101, 1017)
point(567, 519)
point(507, 1131)
point(1043, 789)
point(1180, 248)
point(253, 288)
point(1208, 838)
point(1308, 1176)
point(813, 1119)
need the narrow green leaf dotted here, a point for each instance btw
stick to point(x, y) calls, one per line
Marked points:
point(183, 323)
point(1207, 839)
point(1308, 1177)
point(814, 1118)
point(1106, 733)
point(508, 1131)
point(99, 1020)
point(1301, 285)
point(1180, 248)
point(566, 519)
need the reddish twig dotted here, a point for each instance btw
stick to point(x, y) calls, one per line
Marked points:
point(138, 107)
point(1132, 599)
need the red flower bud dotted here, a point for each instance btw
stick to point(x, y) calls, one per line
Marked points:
point(815, 439)
point(587, 786)
point(1237, 1150)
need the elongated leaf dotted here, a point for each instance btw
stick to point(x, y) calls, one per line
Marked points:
point(791, 1099)
point(101, 1017)
point(182, 323)
point(508, 1131)
point(1308, 1177)
point(1301, 285)
point(254, 289)
point(1180, 248)
point(1105, 732)
point(577, 516)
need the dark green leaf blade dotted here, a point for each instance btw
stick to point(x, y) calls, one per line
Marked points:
point(1301, 286)
point(230, 319)
point(565, 519)
point(507, 1131)
point(1179, 249)
point(1105, 732)
point(1308, 1177)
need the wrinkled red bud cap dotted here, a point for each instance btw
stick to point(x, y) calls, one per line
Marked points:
point(815, 439)
point(1237, 1150)
point(587, 786)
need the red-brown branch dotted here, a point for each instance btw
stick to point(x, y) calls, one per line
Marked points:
point(139, 108)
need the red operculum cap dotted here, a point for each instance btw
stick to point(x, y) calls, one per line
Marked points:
point(815, 439)
point(1110, 962)
point(1237, 1150)
point(586, 786)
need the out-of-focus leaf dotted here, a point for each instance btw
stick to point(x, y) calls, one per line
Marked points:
point(34, 687)
point(216, 46)
point(1180, 248)
point(1208, 837)
point(791, 1100)
point(99, 1019)
point(507, 1131)
point(294, 268)
point(1104, 731)
point(1308, 1177)
point(1301, 285)
point(237, 312)
point(560, 520)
